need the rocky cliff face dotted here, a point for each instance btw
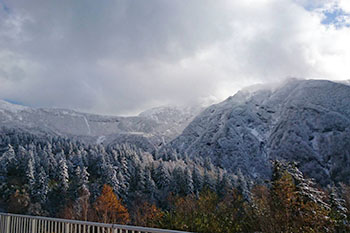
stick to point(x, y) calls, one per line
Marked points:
point(307, 121)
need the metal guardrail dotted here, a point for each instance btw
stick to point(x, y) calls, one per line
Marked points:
point(14, 223)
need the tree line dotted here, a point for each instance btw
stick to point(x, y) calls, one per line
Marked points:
point(58, 177)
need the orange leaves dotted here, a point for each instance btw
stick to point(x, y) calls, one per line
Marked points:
point(148, 215)
point(286, 206)
point(67, 211)
point(109, 209)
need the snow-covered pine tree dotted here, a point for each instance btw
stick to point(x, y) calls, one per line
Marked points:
point(30, 175)
point(137, 180)
point(197, 180)
point(188, 182)
point(208, 181)
point(82, 203)
point(162, 177)
point(41, 186)
point(84, 178)
point(122, 186)
point(9, 161)
point(150, 186)
point(111, 178)
point(63, 176)
point(224, 184)
point(295, 202)
point(243, 185)
point(338, 211)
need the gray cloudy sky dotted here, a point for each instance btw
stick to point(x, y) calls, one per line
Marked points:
point(123, 56)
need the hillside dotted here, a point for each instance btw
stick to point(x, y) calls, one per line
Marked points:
point(148, 130)
point(307, 121)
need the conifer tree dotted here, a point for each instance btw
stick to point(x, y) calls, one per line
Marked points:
point(150, 186)
point(296, 204)
point(208, 181)
point(223, 185)
point(338, 212)
point(41, 186)
point(82, 203)
point(162, 177)
point(30, 175)
point(188, 182)
point(197, 180)
point(111, 177)
point(63, 175)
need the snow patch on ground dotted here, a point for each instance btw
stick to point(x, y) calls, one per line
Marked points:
point(100, 139)
point(87, 125)
point(256, 134)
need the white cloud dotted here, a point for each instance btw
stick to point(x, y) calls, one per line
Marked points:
point(345, 5)
point(125, 56)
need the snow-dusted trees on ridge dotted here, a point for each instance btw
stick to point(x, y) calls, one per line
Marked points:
point(58, 177)
point(56, 171)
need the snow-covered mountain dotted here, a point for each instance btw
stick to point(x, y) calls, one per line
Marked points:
point(307, 121)
point(148, 130)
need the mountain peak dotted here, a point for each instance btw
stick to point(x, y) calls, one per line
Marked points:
point(307, 121)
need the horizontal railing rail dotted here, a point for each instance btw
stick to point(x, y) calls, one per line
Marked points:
point(15, 223)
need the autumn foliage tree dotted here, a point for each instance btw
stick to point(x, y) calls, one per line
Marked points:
point(148, 215)
point(208, 213)
point(234, 213)
point(190, 213)
point(261, 211)
point(67, 212)
point(57, 177)
point(109, 209)
point(292, 204)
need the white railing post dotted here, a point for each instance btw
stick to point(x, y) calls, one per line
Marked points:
point(66, 227)
point(33, 225)
point(8, 219)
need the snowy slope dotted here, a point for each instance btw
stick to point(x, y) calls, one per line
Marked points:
point(6, 106)
point(171, 119)
point(302, 120)
point(149, 129)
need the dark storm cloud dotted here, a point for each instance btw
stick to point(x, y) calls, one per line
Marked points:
point(122, 56)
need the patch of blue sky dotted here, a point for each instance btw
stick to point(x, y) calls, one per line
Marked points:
point(336, 17)
point(333, 15)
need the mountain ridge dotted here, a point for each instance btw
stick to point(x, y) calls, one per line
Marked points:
point(300, 120)
point(92, 128)
point(306, 121)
